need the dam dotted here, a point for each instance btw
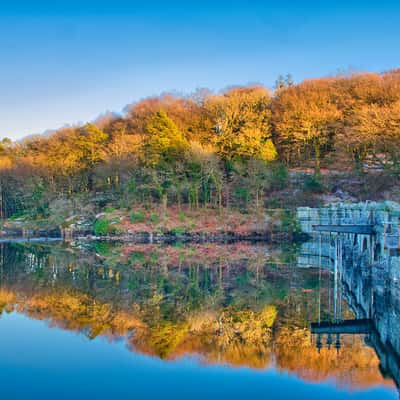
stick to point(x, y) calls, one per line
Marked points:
point(359, 245)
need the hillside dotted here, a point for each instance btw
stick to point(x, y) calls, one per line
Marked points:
point(244, 150)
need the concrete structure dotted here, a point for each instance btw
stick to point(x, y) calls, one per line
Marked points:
point(365, 264)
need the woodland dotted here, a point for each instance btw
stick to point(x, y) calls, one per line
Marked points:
point(239, 149)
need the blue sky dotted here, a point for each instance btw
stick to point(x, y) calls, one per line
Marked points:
point(68, 61)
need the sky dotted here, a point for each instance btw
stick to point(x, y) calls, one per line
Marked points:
point(64, 62)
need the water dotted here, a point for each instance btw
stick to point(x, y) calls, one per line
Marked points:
point(200, 321)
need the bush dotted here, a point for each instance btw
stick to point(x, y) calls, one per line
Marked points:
point(273, 202)
point(137, 257)
point(109, 209)
point(289, 222)
point(313, 184)
point(154, 218)
point(181, 216)
point(242, 194)
point(102, 248)
point(18, 215)
point(179, 230)
point(102, 227)
point(279, 176)
point(137, 217)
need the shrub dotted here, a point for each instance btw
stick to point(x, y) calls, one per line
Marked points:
point(137, 217)
point(18, 215)
point(279, 176)
point(137, 257)
point(273, 202)
point(181, 216)
point(242, 193)
point(179, 230)
point(102, 227)
point(154, 218)
point(289, 222)
point(313, 184)
point(102, 248)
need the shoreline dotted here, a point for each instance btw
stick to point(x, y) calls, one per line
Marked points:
point(156, 237)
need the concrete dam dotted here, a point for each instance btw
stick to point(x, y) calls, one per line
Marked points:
point(359, 245)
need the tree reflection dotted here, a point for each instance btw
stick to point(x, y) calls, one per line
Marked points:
point(237, 304)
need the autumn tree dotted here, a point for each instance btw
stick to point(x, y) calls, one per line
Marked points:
point(369, 105)
point(164, 150)
point(305, 119)
point(242, 122)
point(375, 132)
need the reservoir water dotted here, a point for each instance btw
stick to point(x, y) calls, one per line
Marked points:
point(234, 321)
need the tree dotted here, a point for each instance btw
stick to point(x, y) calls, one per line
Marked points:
point(369, 105)
point(254, 178)
point(375, 131)
point(305, 118)
point(165, 142)
point(242, 122)
point(164, 150)
point(90, 141)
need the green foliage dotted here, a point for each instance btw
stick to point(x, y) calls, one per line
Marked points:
point(289, 222)
point(102, 248)
point(179, 230)
point(165, 142)
point(137, 217)
point(290, 251)
point(182, 216)
point(89, 141)
point(102, 227)
point(242, 193)
point(17, 215)
point(178, 245)
point(137, 257)
point(279, 176)
point(273, 202)
point(313, 184)
point(231, 149)
point(154, 218)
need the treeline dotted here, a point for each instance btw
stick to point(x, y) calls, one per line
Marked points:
point(208, 149)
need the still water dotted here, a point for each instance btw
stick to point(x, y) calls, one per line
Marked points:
point(102, 321)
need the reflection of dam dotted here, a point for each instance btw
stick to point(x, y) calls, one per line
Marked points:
point(366, 269)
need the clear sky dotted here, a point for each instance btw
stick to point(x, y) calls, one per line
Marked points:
point(68, 61)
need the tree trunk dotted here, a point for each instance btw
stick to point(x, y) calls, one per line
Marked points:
point(317, 165)
point(164, 202)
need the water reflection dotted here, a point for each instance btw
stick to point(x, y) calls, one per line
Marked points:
point(233, 304)
point(365, 269)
